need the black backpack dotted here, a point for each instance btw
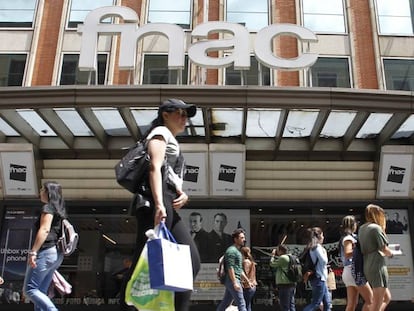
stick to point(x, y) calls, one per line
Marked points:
point(307, 263)
point(294, 272)
point(357, 266)
point(132, 170)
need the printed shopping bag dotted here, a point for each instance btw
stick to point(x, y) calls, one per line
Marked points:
point(170, 263)
point(139, 293)
point(331, 281)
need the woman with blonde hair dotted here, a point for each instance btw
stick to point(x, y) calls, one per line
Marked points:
point(249, 268)
point(354, 286)
point(374, 247)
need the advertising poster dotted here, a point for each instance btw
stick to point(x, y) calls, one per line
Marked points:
point(206, 226)
point(19, 178)
point(227, 173)
point(395, 175)
point(400, 267)
point(196, 174)
point(15, 241)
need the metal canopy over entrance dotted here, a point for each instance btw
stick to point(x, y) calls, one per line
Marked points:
point(274, 123)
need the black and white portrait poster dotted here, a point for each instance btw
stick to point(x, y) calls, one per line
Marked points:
point(400, 267)
point(211, 230)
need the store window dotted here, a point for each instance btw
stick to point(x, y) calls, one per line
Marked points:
point(173, 12)
point(107, 239)
point(71, 74)
point(399, 74)
point(156, 71)
point(252, 14)
point(330, 72)
point(12, 67)
point(256, 75)
point(17, 14)
point(324, 15)
point(395, 17)
point(80, 8)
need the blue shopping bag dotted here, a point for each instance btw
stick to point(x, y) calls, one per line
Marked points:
point(139, 292)
point(170, 265)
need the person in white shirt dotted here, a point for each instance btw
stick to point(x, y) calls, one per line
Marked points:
point(354, 287)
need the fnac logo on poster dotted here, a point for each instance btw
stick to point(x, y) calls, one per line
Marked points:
point(396, 174)
point(17, 172)
point(191, 173)
point(227, 173)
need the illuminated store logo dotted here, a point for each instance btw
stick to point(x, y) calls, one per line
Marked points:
point(191, 173)
point(236, 39)
point(17, 172)
point(396, 174)
point(227, 173)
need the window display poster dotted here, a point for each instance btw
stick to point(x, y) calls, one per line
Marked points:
point(16, 238)
point(395, 175)
point(195, 174)
point(211, 230)
point(400, 267)
point(15, 241)
point(19, 178)
point(227, 173)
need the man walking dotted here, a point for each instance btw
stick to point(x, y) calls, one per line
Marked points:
point(233, 263)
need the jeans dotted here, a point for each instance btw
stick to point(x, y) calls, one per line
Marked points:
point(287, 298)
point(248, 294)
point(320, 293)
point(37, 280)
point(230, 294)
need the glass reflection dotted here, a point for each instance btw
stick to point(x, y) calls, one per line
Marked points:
point(324, 15)
point(36, 122)
point(111, 121)
point(73, 121)
point(300, 123)
point(262, 122)
point(251, 14)
point(337, 123)
point(7, 129)
point(373, 125)
point(227, 122)
point(406, 129)
point(175, 12)
point(394, 17)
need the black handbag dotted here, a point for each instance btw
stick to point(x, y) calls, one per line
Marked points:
point(132, 170)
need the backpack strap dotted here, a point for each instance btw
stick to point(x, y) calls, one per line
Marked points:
point(315, 263)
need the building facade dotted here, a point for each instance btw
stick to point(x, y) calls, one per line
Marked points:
point(305, 115)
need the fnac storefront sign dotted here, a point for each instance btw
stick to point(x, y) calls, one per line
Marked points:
point(197, 52)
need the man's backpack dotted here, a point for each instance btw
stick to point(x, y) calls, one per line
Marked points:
point(308, 266)
point(294, 272)
point(68, 240)
point(357, 266)
point(132, 170)
point(221, 270)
